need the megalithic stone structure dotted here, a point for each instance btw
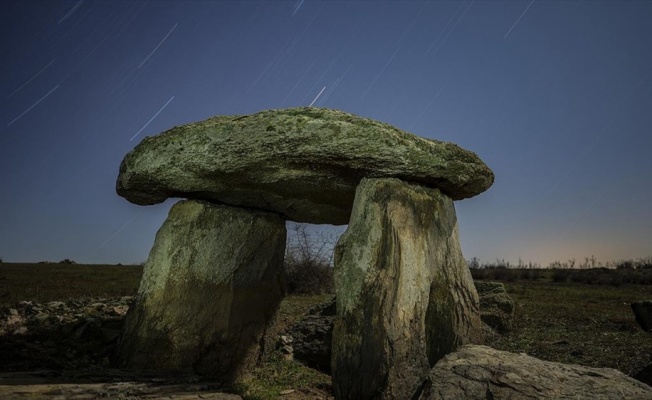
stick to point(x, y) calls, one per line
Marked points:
point(212, 283)
point(405, 296)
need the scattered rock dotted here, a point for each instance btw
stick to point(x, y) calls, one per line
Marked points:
point(211, 285)
point(286, 347)
point(304, 163)
point(60, 335)
point(405, 297)
point(480, 372)
point(496, 307)
point(313, 335)
point(643, 313)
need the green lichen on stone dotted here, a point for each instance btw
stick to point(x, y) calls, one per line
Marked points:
point(303, 163)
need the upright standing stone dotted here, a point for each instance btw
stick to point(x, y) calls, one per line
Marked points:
point(213, 281)
point(405, 297)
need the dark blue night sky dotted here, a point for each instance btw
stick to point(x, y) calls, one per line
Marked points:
point(555, 96)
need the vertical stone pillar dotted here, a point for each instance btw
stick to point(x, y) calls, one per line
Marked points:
point(405, 296)
point(213, 281)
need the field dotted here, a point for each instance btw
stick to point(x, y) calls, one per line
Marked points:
point(565, 321)
point(52, 282)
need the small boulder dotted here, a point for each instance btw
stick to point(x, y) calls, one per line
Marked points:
point(643, 313)
point(496, 307)
point(303, 163)
point(480, 372)
point(312, 336)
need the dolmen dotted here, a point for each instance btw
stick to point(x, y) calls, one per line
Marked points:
point(214, 278)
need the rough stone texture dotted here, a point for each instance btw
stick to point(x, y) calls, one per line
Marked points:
point(405, 297)
point(643, 313)
point(213, 281)
point(480, 372)
point(312, 336)
point(304, 163)
point(496, 307)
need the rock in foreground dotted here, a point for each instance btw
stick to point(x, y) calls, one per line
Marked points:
point(303, 163)
point(480, 372)
point(405, 297)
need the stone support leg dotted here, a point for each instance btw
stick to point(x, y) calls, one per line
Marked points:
point(213, 281)
point(405, 296)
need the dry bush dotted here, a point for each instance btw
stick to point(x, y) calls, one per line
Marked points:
point(309, 261)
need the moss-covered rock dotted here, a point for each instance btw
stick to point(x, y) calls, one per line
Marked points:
point(211, 286)
point(405, 297)
point(303, 163)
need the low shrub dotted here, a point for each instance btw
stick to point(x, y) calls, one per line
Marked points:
point(309, 278)
point(308, 261)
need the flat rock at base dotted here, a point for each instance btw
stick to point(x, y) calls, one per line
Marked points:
point(304, 163)
point(480, 372)
point(405, 297)
point(643, 314)
point(212, 283)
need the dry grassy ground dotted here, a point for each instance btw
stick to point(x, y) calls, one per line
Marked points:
point(590, 325)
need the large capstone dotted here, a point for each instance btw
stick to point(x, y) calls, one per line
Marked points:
point(303, 163)
point(211, 285)
point(405, 296)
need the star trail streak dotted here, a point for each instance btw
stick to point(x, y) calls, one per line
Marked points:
point(518, 19)
point(72, 11)
point(33, 105)
point(157, 46)
point(559, 115)
point(152, 119)
point(32, 78)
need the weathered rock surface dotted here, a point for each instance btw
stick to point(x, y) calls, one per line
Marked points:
point(303, 163)
point(496, 307)
point(312, 336)
point(480, 372)
point(643, 313)
point(213, 281)
point(405, 297)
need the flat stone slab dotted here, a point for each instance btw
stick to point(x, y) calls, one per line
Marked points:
point(303, 163)
point(108, 384)
point(480, 372)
